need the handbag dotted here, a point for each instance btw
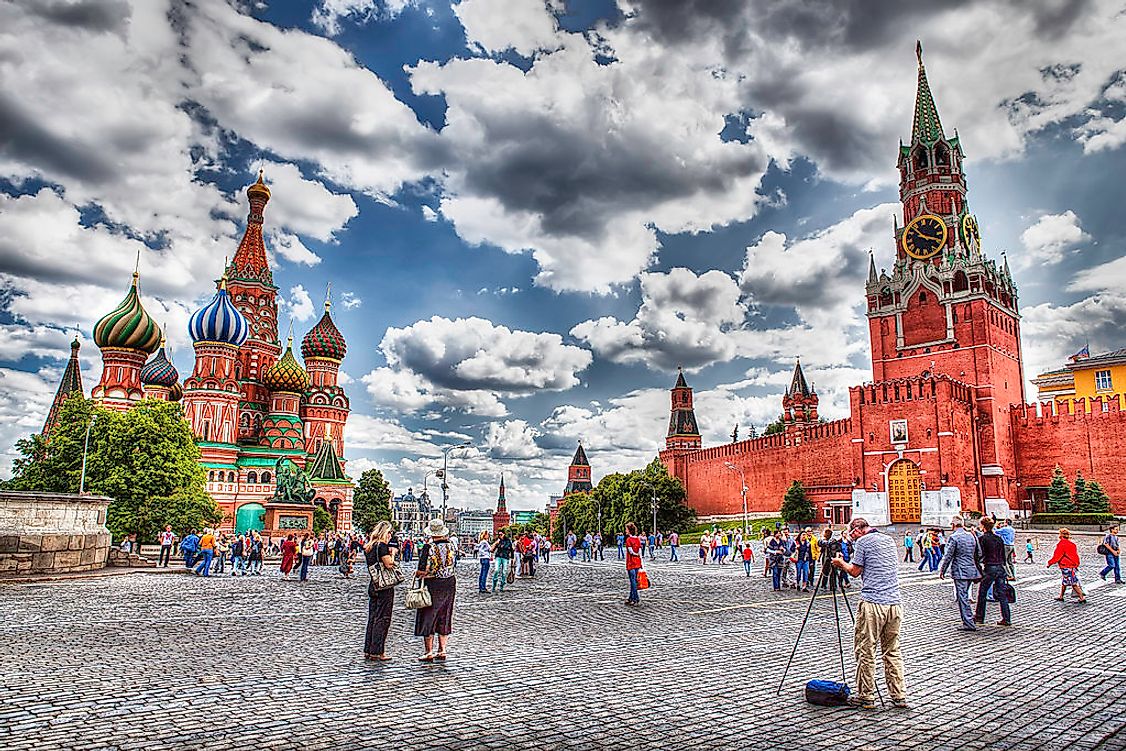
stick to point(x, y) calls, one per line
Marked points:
point(418, 597)
point(383, 577)
point(642, 579)
point(1102, 549)
point(511, 573)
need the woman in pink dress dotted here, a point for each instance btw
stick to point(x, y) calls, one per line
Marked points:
point(289, 554)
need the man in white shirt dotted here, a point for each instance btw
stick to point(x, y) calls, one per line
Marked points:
point(166, 540)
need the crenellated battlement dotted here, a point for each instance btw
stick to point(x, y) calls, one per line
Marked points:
point(916, 388)
point(1089, 408)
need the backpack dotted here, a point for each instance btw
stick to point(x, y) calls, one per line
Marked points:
point(826, 693)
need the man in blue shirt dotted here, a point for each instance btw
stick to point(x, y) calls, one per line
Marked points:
point(1008, 536)
point(621, 547)
point(961, 560)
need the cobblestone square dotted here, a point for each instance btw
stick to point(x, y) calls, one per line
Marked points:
point(147, 661)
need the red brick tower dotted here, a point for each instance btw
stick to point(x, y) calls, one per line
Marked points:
point(578, 474)
point(799, 403)
point(251, 285)
point(945, 308)
point(70, 383)
point(501, 517)
point(325, 409)
point(127, 335)
point(684, 434)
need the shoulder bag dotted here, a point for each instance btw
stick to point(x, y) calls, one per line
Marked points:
point(418, 596)
point(642, 579)
point(1102, 549)
point(381, 576)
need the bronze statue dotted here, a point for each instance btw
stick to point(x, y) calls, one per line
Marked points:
point(293, 484)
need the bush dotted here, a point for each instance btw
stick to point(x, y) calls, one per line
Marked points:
point(1064, 520)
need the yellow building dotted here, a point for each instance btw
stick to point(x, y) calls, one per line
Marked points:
point(1085, 377)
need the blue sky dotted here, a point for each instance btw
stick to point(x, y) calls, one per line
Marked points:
point(531, 211)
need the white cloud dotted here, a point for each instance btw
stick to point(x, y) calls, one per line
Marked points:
point(291, 248)
point(25, 399)
point(1051, 235)
point(305, 207)
point(511, 439)
point(350, 300)
point(498, 25)
point(377, 433)
point(329, 13)
point(298, 306)
point(1103, 131)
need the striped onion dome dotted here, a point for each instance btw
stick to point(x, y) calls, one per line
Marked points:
point(128, 326)
point(160, 371)
point(324, 339)
point(286, 374)
point(176, 393)
point(219, 320)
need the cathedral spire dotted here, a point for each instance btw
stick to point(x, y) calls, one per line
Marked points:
point(250, 263)
point(872, 277)
point(926, 126)
point(798, 385)
point(70, 383)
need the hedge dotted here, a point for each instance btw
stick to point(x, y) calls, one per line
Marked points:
point(1073, 519)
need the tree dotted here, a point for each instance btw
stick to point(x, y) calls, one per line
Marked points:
point(775, 427)
point(322, 520)
point(145, 459)
point(1078, 492)
point(1094, 500)
point(1059, 494)
point(371, 503)
point(796, 507)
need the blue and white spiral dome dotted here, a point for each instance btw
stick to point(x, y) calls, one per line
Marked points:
point(219, 321)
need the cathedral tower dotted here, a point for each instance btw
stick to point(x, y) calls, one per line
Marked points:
point(286, 381)
point(684, 434)
point(251, 286)
point(326, 407)
point(70, 383)
point(799, 403)
point(946, 308)
point(127, 335)
point(159, 376)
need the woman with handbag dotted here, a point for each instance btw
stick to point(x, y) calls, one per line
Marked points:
point(436, 568)
point(381, 591)
point(633, 562)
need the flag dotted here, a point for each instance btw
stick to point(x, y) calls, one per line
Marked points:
point(1082, 354)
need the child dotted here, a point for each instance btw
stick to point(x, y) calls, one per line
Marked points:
point(1028, 551)
point(748, 558)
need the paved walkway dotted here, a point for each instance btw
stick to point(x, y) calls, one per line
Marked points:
point(176, 662)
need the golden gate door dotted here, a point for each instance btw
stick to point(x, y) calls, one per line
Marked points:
point(905, 500)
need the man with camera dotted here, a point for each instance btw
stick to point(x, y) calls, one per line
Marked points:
point(875, 558)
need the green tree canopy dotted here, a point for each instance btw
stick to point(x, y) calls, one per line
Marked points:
point(1078, 491)
point(1059, 494)
point(146, 459)
point(322, 520)
point(796, 507)
point(775, 427)
point(371, 502)
point(1094, 500)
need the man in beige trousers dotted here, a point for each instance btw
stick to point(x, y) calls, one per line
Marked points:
point(875, 559)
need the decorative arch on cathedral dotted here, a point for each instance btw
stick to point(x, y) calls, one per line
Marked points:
point(961, 281)
point(905, 499)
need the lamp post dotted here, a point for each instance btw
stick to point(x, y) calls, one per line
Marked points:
point(445, 474)
point(743, 485)
point(86, 450)
point(654, 502)
point(599, 516)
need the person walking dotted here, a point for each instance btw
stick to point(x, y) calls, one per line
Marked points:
point(923, 540)
point(1004, 530)
point(748, 554)
point(381, 602)
point(908, 547)
point(776, 556)
point(222, 547)
point(804, 560)
point(166, 539)
point(308, 550)
point(961, 560)
point(674, 545)
point(1112, 551)
point(484, 559)
point(502, 555)
point(633, 547)
point(238, 548)
point(875, 558)
point(206, 553)
point(1067, 556)
point(255, 553)
point(437, 562)
point(993, 559)
point(1028, 551)
point(652, 547)
point(189, 546)
point(288, 554)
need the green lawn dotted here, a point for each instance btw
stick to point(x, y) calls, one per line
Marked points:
point(693, 537)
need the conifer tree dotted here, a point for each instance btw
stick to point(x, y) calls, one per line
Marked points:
point(1094, 500)
point(1078, 492)
point(1059, 494)
point(796, 507)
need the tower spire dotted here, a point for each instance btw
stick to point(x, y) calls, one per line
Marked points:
point(926, 126)
point(70, 383)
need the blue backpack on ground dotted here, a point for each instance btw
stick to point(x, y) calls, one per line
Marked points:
point(827, 693)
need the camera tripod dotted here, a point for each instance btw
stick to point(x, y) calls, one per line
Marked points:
point(832, 578)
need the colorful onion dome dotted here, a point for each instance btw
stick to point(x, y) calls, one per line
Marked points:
point(176, 393)
point(219, 320)
point(324, 339)
point(128, 326)
point(286, 374)
point(258, 189)
point(160, 371)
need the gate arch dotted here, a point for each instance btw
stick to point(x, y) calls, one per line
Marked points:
point(905, 493)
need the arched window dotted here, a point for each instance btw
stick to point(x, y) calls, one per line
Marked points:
point(252, 477)
point(942, 155)
point(921, 159)
point(961, 282)
point(923, 296)
point(211, 476)
point(265, 477)
point(230, 477)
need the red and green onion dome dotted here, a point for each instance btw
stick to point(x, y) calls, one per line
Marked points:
point(128, 326)
point(160, 371)
point(287, 374)
point(324, 340)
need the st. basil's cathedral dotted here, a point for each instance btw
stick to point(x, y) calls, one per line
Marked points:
point(251, 404)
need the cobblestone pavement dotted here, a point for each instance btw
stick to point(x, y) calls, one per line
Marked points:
point(149, 661)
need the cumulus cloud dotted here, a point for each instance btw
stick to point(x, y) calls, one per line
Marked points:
point(511, 439)
point(1048, 239)
point(298, 306)
point(524, 26)
point(350, 300)
point(329, 14)
point(305, 207)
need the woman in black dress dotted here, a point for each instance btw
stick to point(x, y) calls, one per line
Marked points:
point(436, 567)
point(380, 601)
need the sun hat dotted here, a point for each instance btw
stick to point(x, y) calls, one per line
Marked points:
point(437, 528)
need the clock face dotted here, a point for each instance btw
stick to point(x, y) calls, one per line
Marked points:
point(924, 237)
point(970, 231)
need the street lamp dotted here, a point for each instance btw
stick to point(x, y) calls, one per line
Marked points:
point(85, 450)
point(743, 484)
point(445, 474)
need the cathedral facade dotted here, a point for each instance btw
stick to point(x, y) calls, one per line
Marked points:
point(944, 426)
point(254, 409)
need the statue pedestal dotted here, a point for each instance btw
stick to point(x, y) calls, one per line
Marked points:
point(286, 518)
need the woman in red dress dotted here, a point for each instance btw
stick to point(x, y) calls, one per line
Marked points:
point(289, 554)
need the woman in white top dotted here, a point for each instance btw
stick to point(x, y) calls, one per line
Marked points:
point(485, 558)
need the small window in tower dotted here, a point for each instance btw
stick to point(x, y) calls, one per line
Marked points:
point(921, 160)
point(252, 477)
point(954, 315)
point(942, 155)
point(923, 296)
